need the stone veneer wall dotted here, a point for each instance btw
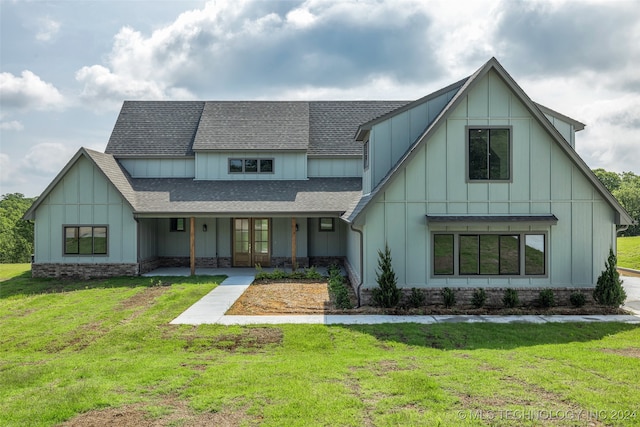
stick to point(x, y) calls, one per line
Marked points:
point(83, 271)
point(526, 296)
point(326, 261)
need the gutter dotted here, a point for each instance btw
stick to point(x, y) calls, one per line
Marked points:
point(361, 262)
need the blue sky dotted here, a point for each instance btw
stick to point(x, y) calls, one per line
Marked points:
point(66, 66)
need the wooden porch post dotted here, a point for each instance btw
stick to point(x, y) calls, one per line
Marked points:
point(293, 244)
point(192, 245)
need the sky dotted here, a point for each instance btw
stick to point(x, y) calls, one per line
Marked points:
point(66, 66)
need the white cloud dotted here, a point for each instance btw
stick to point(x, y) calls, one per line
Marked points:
point(29, 92)
point(46, 158)
point(12, 125)
point(6, 168)
point(47, 29)
point(254, 48)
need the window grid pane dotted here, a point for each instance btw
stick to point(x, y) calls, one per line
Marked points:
point(71, 241)
point(489, 254)
point(443, 254)
point(510, 255)
point(499, 154)
point(100, 240)
point(478, 155)
point(266, 165)
point(534, 254)
point(469, 254)
point(250, 165)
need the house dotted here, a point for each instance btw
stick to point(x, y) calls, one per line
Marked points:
point(472, 186)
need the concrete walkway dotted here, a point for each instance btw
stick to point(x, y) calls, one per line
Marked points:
point(211, 309)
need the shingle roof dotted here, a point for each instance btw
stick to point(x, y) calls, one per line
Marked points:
point(333, 124)
point(184, 195)
point(177, 128)
point(253, 125)
point(155, 128)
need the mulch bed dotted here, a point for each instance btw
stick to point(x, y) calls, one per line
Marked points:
point(313, 298)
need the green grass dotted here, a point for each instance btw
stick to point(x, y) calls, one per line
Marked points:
point(71, 347)
point(629, 252)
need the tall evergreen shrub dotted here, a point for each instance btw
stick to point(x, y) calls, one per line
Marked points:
point(387, 293)
point(609, 290)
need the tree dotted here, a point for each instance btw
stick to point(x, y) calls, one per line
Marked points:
point(387, 293)
point(16, 234)
point(611, 180)
point(625, 187)
point(609, 290)
point(628, 194)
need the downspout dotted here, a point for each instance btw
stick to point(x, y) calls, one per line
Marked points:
point(137, 220)
point(361, 262)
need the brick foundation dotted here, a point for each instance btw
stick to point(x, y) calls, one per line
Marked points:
point(83, 271)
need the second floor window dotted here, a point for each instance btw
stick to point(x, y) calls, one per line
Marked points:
point(250, 165)
point(489, 154)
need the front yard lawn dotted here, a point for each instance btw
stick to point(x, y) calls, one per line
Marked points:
point(629, 252)
point(96, 352)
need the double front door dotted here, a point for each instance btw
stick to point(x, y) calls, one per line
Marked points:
point(251, 242)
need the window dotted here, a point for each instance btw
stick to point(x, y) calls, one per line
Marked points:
point(85, 240)
point(489, 254)
point(176, 224)
point(250, 165)
point(365, 154)
point(327, 224)
point(489, 154)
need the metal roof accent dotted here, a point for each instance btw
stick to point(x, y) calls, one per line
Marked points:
point(491, 219)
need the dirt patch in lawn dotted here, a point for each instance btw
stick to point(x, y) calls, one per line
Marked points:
point(170, 412)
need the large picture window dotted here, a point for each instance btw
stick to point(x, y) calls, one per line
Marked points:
point(85, 240)
point(489, 154)
point(509, 254)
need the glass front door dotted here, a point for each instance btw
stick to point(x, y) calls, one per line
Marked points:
point(251, 242)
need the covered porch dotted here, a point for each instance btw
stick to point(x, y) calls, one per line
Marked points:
point(202, 244)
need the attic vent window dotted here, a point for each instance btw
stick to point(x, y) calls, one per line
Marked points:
point(250, 165)
point(489, 154)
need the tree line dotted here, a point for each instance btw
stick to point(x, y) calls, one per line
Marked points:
point(16, 234)
point(625, 187)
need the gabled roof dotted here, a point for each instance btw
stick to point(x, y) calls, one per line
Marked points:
point(155, 129)
point(106, 164)
point(493, 64)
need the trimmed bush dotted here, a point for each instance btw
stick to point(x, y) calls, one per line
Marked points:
point(387, 294)
point(510, 298)
point(417, 298)
point(609, 290)
point(339, 292)
point(479, 298)
point(577, 299)
point(547, 298)
point(449, 297)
